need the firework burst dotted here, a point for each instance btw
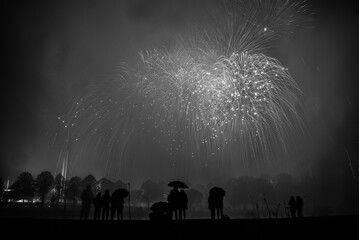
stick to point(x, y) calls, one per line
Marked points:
point(216, 87)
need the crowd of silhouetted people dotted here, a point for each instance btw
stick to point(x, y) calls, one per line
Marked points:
point(102, 205)
point(174, 208)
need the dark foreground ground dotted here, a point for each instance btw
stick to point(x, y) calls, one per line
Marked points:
point(342, 227)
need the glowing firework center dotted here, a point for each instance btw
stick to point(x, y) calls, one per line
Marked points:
point(242, 94)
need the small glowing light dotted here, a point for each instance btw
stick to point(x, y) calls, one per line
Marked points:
point(265, 29)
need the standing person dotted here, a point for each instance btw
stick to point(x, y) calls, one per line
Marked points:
point(292, 207)
point(300, 204)
point(97, 204)
point(219, 205)
point(105, 202)
point(173, 202)
point(182, 204)
point(87, 199)
point(114, 204)
point(117, 205)
point(211, 205)
point(120, 208)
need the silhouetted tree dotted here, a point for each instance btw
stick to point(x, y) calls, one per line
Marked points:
point(24, 187)
point(263, 187)
point(195, 198)
point(247, 193)
point(89, 180)
point(44, 181)
point(163, 185)
point(238, 191)
point(119, 184)
point(103, 184)
point(136, 196)
point(151, 192)
point(284, 186)
point(59, 186)
point(200, 188)
point(74, 189)
point(263, 192)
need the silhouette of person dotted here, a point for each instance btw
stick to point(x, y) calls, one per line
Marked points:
point(173, 202)
point(212, 205)
point(300, 204)
point(87, 199)
point(114, 205)
point(117, 205)
point(97, 204)
point(292, 207)
point(182, 204)
point(219, 205)
point(120, 208)
point(105, 203)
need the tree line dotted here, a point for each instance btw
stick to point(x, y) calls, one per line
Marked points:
point(265, 193)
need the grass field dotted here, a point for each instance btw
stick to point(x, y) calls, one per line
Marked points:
point(339, 227)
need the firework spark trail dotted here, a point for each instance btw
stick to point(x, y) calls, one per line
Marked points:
point(214, 88)
point(240, 95)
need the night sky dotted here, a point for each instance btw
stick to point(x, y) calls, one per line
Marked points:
point(54, 49)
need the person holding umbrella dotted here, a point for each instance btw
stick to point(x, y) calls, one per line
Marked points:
point(182, 204)
point(105, 203)
point(174, 198)
point(117, 202)
point(215, 202)
point(211, 205)
point(173, 202)
point(97, 204)
point(160, 211)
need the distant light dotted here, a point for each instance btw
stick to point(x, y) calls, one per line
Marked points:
point(265, 29)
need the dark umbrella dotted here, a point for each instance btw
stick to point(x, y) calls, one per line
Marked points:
point(160, 207)
point(217, 191)
point(121, 192)
point(177, 184)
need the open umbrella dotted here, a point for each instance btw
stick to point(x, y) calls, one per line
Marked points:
point(217, 191)
point(177, 184)
point(121, 192)
point(160, 207)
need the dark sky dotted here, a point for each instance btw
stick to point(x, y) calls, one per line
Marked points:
point(54, 49)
